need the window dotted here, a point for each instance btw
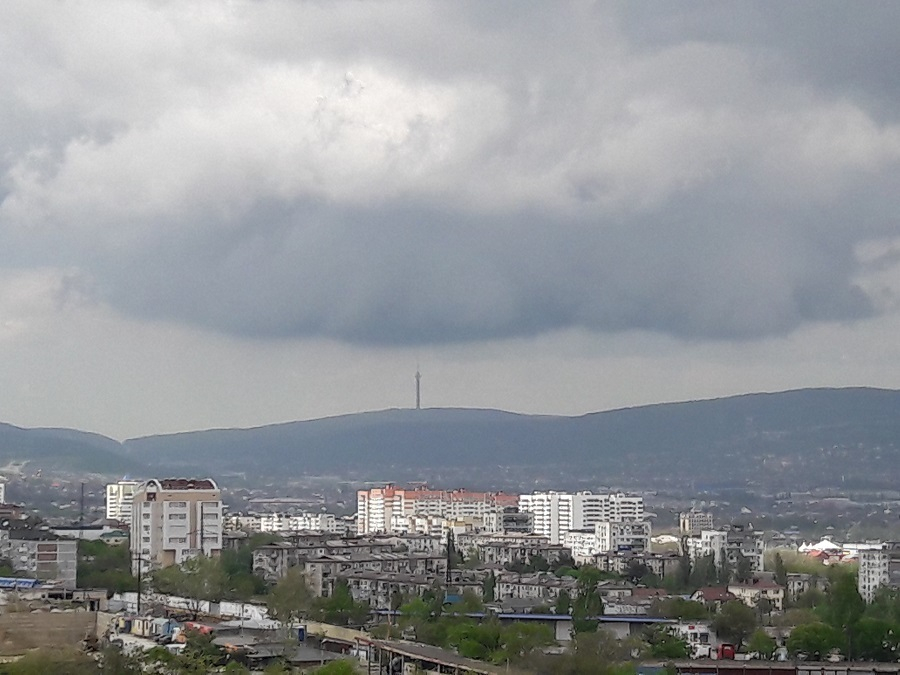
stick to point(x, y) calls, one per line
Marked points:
point(177, 516)
point(177, 505)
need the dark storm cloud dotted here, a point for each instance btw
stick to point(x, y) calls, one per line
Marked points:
point(460, 172)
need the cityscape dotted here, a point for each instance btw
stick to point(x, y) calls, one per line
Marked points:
point(378, 337)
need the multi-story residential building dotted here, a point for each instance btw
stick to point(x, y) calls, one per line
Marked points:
point(754, 592)
point(584, 544)
point(119, 496)
point(173, 520)
point(736, 542)
point(388, 509)
point(693, 522)
point(555, 513)
point(619, 536)
point(877, 568)
point(2, 490)
point(509, 520)
point(282, 522)
point(41, 555)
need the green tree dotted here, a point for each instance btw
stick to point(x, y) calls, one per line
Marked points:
point(724, 572)
point(340, 608)
point(781, 574)
point(291, 598)
point(815, 640)
point(663, 645)
point(519, 641)
point(103, 566)
point(734, 622)
point(587, 603)
point(704, 572)
point(761, 643)
point(488, 587)
point(876, 640)
point(844, 607)
point(679, 608)
point(563, 603)
point(743, 570)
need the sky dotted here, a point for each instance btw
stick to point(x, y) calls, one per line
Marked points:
point(233, 213)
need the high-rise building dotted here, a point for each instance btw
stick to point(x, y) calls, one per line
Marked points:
point(693, 522)
point(877, 568)
point(173, 520)
point(386, 509)
point(556, 513)
point(118, 500)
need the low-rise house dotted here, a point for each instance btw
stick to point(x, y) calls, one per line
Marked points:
point(713, 597)
point(758, 591)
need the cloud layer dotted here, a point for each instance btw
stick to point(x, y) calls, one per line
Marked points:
point(395, 173)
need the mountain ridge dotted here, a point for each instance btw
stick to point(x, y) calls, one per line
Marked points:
point(810, 432)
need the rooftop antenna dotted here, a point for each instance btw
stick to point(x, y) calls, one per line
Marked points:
point(418, 388)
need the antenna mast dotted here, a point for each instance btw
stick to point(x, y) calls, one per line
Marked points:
point(418, 389)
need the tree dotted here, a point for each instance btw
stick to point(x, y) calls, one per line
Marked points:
point(488, 586)
point(291, 598)
point(103, 566)
point(734, 622)
point(340, 608)
point(663, 645)
point(704, 572)
point(563, 603)
point(844, 606)
point(588, 603)
point(724, 571)
point(519, 641)
point(743, 571)
point(781, 575)
point(877, 640)
point(761, 643)
point(815, 640)
point(679, 608)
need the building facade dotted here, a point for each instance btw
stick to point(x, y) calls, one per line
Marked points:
point(693, 522)
point(879, 568)
point(119, 496)
point(390, 509)
point(173, 520)
point(556, 513)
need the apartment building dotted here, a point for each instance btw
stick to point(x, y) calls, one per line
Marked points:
point(879, 567)
point(41, 555)
point(389, 509)
point(556, 513)
point(618, 536)
point(283, 522)
point(173, 520)
point(119, 496)
point(736, 542)
point(693, 522)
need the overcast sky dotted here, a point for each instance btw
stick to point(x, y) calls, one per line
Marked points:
point(235, 213)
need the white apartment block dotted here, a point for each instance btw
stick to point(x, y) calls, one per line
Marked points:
point(877, 568)
point(584, 544)
point(735, 543)
point(282, 522)
point(556, 513)
point(621, 536)
point(2, 491)
point(173, 520)
point(119, 496)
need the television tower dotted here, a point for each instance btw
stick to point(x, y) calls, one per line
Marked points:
point(418, 389)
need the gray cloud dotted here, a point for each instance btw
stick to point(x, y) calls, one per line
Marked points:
point(397, 174)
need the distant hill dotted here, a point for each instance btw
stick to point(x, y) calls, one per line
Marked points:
point(803, 437)
point(64, 449)
point(814, 434)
